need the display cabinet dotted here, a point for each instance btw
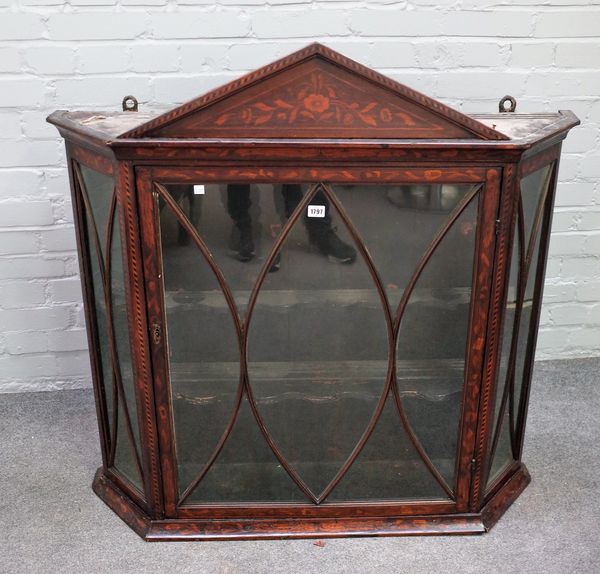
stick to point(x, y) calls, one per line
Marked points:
point(312, 298)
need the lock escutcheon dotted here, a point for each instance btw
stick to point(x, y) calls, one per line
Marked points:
point(156, 333)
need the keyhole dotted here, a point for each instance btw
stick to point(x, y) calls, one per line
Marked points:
point(156, 333)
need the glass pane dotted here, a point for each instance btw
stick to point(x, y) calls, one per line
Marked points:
point(503, 456)
point(99, 311)
point(525, 324)
point(433, 341)
point(203, 346)
point(99, 191)
point(399, 220)
point(536, 184)
point(534, 188)
point(238, 223)
point(125, 456)
point(318, 346)
point(389, 466)
point(317, 338)
point(246, 470)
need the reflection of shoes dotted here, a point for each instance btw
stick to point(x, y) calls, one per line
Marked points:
point(328, 243)
point(245, 251)
point(276, 263)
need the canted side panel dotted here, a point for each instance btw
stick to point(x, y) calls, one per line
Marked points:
point(106, 313)
point(88, 298)
point(538, 298)
point(530, 245)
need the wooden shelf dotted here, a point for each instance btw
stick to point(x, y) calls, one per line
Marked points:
point(288, 297)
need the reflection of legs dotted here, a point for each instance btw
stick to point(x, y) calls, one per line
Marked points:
point(320, 231)
point(238, 207)
point(292, 194)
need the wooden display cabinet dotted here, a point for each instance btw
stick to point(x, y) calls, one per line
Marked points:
point(312, 298)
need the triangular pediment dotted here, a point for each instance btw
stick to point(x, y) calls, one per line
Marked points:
point(314, 93)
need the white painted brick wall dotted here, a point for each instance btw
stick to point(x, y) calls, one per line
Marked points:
point(57, 54)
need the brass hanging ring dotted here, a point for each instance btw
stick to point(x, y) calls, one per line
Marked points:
point(130, 104)
point(502, 105)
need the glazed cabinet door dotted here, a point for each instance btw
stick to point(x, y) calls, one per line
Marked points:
point(317, 341)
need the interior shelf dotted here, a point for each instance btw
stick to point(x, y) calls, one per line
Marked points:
point(447, 296)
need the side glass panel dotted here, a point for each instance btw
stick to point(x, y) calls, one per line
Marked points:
point(510, 383)
point(501, 427)
point(128, 433)
point(282, 363)
point(98, 198)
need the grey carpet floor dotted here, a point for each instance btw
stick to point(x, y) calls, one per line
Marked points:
point(50, 521)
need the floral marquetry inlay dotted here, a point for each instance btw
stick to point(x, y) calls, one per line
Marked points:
point(320, 99)
point(315, 98)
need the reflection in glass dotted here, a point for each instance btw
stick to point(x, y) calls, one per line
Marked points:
point(389, 467)
point(433, 335)
point(318, 348)
point(397, 223)
point(397, 227)
point(203, 345)
point(100, 189)
point(317, 337)
point(503, 453)
point(246, 470)
point(239, 223)
point(124, 460)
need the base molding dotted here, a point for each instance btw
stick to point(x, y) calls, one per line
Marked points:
point(278, 528)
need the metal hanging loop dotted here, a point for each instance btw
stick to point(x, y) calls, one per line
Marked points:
point(502, 105)
point(130, 104)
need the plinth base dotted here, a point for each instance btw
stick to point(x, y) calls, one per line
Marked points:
point(299, 527)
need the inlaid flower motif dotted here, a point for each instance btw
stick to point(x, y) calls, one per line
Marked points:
point(385, 115)
point(316, 103)
point(318, 99)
